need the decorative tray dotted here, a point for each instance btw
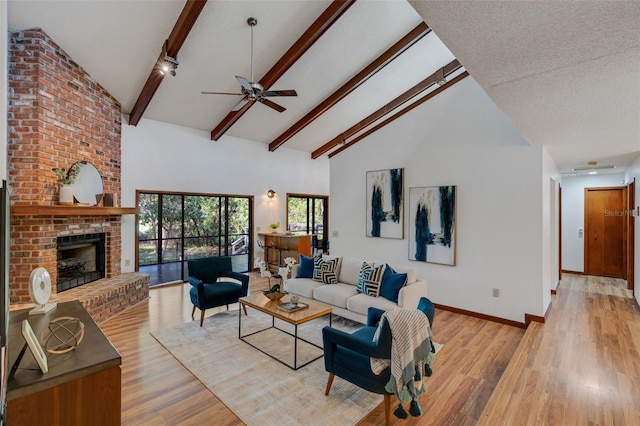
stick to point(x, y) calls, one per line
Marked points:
point(292, 307)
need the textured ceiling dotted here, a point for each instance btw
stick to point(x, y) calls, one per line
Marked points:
point(567, 74)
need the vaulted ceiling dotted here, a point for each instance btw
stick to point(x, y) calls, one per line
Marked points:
point(567, 74)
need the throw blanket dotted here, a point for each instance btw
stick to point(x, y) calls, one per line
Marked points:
point(410, 350)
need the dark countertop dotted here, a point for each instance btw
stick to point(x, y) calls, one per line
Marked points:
point(95, 353)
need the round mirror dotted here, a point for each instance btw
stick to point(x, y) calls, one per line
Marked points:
point(87, 188)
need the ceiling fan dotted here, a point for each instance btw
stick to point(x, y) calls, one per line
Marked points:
point(253, 91)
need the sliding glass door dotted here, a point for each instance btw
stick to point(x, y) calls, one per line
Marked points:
point(309, 214)
point(173, 228)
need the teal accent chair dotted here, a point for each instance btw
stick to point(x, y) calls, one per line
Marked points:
point(213, 283)
point(347, 355)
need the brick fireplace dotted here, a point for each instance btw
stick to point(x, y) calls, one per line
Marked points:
point(57, 115)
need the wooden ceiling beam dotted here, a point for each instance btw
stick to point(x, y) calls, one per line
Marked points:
point(397, 115)
point(369, 71)
point(295, 52)
point(171, 46)
point(386, 109)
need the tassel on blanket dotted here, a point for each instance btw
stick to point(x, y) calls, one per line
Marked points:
point(414, 409)
point(400, 413)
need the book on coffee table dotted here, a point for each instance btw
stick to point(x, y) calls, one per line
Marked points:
point(292, 307)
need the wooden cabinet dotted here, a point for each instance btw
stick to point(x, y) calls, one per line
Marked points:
point(279, 246)
point(82, 387)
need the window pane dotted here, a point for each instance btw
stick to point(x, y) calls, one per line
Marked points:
point(171, 228)
point(297, 215)
point(148, 229)
point(238, 236)
point(201, 226)
point(318, 218)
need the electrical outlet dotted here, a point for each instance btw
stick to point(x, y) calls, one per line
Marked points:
point(335, 234)
point(127, 262)
point(496, 292)
point(257, 229)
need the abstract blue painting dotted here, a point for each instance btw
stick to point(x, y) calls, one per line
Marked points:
point(385, 201)
point(432, 224)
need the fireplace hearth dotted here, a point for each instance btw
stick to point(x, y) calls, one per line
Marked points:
point(80, 260)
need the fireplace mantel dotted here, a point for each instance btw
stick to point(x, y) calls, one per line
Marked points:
point(60, 210)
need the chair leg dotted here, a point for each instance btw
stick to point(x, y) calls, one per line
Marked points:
point(244, 307)
point(201, 318)
point(227, 307)
point(193, 312)
point(329, 383)
point(387, 410)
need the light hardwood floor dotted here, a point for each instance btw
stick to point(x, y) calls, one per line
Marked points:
point(158, 390)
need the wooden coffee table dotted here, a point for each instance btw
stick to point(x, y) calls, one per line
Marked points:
point(260, 303)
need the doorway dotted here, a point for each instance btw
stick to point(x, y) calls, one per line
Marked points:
point(605, 218)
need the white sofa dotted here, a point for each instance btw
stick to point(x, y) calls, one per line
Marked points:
point(343, 297)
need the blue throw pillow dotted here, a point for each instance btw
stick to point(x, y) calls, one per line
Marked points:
point(306, 267)
point(391, 284)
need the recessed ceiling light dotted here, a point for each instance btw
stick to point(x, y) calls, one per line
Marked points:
point(593, 173)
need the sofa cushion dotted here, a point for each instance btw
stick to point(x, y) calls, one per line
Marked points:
point(391, 284)
point(360, 303)
point(369, 279)
point(412, 273)
point(301, 286)
point(350, 270)
point(325, 271)
point(305, 270)
point(335, 294)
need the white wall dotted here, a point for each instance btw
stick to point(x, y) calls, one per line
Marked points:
point(457, 138)
point(633, 172)
point(165, 157)
point(573, 215)
point(550, 225)
point(4, 53)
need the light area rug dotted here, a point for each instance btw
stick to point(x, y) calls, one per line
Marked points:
point(258, 389)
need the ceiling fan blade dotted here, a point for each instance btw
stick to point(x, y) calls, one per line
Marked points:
point(244, 82)
point(272, 104)
point(221, 93)
point(280, 93)
point(240, 104)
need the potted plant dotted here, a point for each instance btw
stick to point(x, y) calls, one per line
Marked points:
point(64, 179)
point(274, 227)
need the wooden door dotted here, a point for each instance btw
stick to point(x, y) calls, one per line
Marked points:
point(605, 218)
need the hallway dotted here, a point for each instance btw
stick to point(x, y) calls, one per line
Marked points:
point(581, 367)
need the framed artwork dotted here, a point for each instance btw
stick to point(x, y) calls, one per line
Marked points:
point(385, 201)
point(432, 224)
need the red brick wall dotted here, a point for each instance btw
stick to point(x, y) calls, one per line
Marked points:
point(57, 115)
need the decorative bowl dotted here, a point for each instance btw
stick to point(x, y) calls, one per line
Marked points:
point(274, 295)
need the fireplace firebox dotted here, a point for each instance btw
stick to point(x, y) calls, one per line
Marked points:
point(81, 260)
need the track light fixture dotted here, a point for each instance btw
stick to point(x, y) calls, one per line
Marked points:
point(168, 66)
point(440, 78)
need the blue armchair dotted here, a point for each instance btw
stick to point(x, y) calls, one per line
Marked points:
point(347, 355)
point(209, 288)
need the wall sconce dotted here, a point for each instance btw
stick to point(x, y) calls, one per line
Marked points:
point(271, 193)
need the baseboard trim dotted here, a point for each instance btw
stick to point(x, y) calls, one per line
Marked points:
point(482, 316)
point(566, 271)
point(528, 318)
